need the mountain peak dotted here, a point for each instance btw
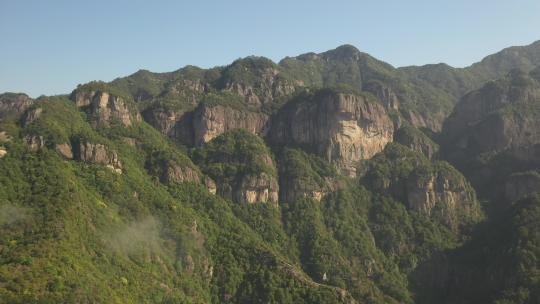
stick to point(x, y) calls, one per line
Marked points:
point(345, 51)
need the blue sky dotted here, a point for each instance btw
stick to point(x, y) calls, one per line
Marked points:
point(48, 47)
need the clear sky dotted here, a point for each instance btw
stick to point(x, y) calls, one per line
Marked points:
point(48, 47)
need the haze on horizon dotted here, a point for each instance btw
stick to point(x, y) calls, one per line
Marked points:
point(49, 48)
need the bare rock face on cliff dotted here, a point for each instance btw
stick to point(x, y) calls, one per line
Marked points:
point(95, 153)
point(247, 91)
point(241, 166)
point(385, 93)
point(14, 104)
point(105, 108)
point(434, 189)
point(209, 121)
point(173, 167)
point(343, 128)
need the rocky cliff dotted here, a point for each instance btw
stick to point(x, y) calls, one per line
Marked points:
point(384, 93)
point(443, 194)
point(96, 153)
point(341, 127)
point(105, 108)
point(172, 167)
point(209, 121)
point(14, 104)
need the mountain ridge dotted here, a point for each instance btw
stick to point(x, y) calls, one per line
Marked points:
point(323, 178)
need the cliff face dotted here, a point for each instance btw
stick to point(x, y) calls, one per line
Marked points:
point(14, 104)
point(172, 167)
point(163, 120)
point(384, 93)
point(105, 108)
point(238, 103)
point(252, 188)
point(98, 154)
point(259, 187)
point(443, 196)
point(211, 121)
point(342, 128)
point(31, 115)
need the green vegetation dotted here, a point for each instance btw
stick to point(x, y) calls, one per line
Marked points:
point(247, 71)
point(306, 169)
point(77, 232)
point(100, 86)
point(500, 264)
point(59, 122)
point(399, 171)
point(225, 99)
point(233, 154)
point(408, 230)
point(417, 140)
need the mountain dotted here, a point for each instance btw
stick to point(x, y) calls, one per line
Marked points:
point(323, 178)
point(492, 134)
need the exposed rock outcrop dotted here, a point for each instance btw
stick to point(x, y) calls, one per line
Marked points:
point(342, 128)
point(252, 189)
point(211, 121)
point(442, 195)
point(172, 172)
point(31, 115)
point(95, 153)
point(173, 168)
point(384, 93)
point(64, 150)
point(105, 108)
point(176, 124)
point(14, 104)
point(34, 142)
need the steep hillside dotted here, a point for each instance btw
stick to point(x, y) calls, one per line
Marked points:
point(319, 179)
point(493, 131)
point(98, 206)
